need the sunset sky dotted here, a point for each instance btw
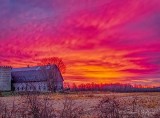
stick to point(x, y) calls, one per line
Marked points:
point(101, 41)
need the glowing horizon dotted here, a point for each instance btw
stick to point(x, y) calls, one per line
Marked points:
point(105, 41)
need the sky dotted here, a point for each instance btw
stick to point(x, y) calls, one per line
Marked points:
point(100, 41)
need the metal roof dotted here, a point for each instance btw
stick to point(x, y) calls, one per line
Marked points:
point(32, 68)
point(34, 74)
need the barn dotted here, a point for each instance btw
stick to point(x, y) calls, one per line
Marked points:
point(36, 78)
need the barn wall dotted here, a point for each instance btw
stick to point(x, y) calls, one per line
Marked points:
point(5, 78)
point(33, 78)
point(31, 86)
point(59, 85)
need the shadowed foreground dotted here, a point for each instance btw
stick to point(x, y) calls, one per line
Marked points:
point(81, 105)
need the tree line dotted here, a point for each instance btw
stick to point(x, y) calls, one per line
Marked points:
point(113, 87)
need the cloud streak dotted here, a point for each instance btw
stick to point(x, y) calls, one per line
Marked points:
point(101, 41)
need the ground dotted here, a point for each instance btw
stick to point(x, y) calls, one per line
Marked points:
point(146, 105)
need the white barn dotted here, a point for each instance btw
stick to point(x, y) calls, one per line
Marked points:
point(37, 78)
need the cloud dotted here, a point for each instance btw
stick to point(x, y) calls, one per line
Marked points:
point(101, 41)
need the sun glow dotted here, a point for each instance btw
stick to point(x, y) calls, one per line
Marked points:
point(101, 41)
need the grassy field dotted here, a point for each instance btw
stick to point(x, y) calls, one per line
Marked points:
point(83, 105)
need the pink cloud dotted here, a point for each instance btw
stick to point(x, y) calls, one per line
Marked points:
point(94, 38)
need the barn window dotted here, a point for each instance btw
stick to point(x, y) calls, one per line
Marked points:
point(18, 88)
point(26, 88)
point(44, 87)
point(39, 87)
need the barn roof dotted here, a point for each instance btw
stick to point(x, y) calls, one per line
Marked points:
point(32, 68)
point(34, 74)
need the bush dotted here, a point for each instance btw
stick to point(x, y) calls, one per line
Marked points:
point(109, 108)
point(157, 115)
point(70, 109)
point(36, 107)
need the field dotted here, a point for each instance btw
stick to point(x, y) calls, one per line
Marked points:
point(82, 105)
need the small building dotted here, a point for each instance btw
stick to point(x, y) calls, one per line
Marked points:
point(36, 78)
point(5, 78)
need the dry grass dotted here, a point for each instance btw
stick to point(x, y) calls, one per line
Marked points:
point(83, 105)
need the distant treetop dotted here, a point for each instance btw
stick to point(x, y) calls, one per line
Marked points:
point(54, 60)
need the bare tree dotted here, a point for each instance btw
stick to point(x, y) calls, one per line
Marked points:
point(54, 60)
point(9, 111)
point(134, 103)
point(50, 73)
point(36, 106)
point(156, 115)
point(109, 107)
point(70, 109)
